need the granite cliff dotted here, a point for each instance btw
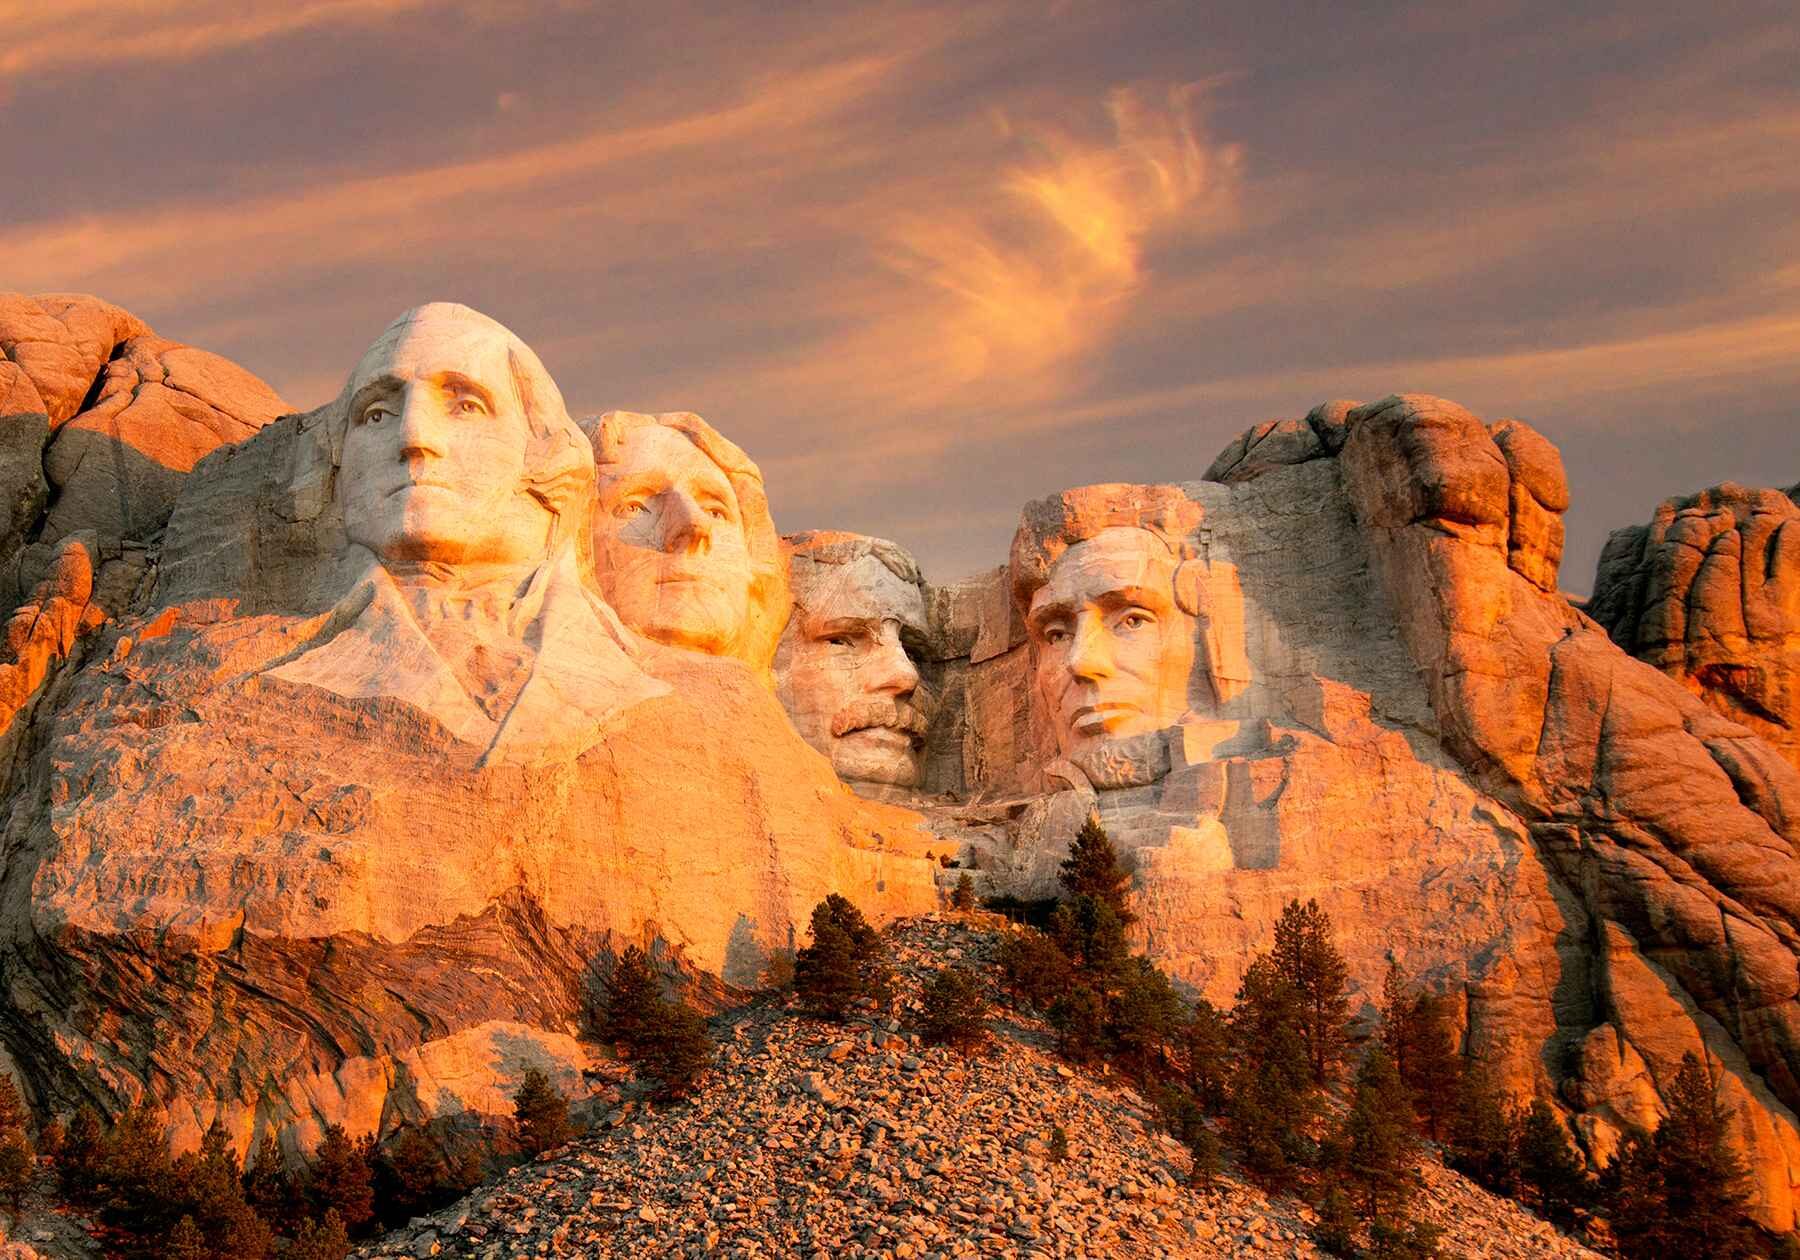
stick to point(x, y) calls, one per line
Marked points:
point(325, 803)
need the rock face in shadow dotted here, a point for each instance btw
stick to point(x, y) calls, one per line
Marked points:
point(1709, 593)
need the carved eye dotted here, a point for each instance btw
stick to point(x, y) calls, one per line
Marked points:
point(1056, 634)
point(631, 507)
point(841, 641)
point(718, 513)
point(1136, 621)
point(375, 413)
point(466, 406)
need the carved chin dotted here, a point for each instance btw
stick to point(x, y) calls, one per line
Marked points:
point(876, 755)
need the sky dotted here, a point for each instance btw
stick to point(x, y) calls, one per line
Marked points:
point(927, 262)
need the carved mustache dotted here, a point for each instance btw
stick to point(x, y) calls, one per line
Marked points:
point(878, 712)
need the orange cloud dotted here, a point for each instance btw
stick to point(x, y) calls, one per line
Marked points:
point(44, 38)
point(1036, 269)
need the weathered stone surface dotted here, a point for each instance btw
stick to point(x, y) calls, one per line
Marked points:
point(342, 830)
point(848, 666)
point(100, 422)
point(1709, 593)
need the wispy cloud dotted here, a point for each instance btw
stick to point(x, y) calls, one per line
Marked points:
point(1036, 268)
point(45, 38)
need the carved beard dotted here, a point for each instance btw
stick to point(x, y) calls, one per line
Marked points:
point(1132, 761)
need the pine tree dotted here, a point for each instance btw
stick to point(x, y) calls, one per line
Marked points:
point(1204, 1157)
point(186, 1242)
point(677, 1051)
point(1435, 1066)
point(78, 1171)
point(1378, 1141)
point(1685, 1191)
point(963, 898)
point(1396, 1018)
point(633, 997)
point(1034, 969)
point(1548, 1168)
point(1079, 1017)
point(17, 1162)
point(268, 1186)
point(1204, 1041)
point(320, 1240)
point(134, 1175)
point(1093, 869)
point(845, 962)
point(1483, 1144)
point(1337, 1230)
point(1090, 933)
point(955, 1010)
point(1270, 1093)
point(1638, 1202)
point(51, 1138)
point(542, 1113)
point(1308, 960)
point(1397, 1240)
point(341, 1177)
point(1147, 1015)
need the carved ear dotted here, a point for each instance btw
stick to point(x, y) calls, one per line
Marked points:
point(1190, 588)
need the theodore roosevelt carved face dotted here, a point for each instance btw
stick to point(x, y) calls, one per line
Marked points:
point(684, 547)
point(845, 669)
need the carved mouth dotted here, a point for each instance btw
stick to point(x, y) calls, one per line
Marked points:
point(1097, 719)
point(404, 486)
point(894, 737)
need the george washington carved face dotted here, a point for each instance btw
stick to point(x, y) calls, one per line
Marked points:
point(438, 449)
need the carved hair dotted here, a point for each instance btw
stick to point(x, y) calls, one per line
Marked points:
point(770, 601)
point(1049, 527)
point(834, 547)
point(559, 464)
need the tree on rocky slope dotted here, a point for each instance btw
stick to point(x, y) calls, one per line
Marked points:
point(955, 1010)
point(633, 996)
point(1271, 1097)
point(1093, 869)
point(541, 1113)
point(1376, 1140)
point(320, 1240)
point(1683, 1191)
point(1549, 1169)
point(677, 1050)
point(844, 963)
point(1308, 960)
point(1033, 969)
point(341, 1178)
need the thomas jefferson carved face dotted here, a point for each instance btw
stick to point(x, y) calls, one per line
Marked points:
point(1114, 652)
point(433, 466)
point(670, 542)
point(844, 671)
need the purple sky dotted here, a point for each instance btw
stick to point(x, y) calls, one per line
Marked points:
point(926, 263)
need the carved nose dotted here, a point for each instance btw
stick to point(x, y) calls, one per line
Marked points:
point(686, 525)
point(892, 672)
point(421, 426)
point(1090, 656)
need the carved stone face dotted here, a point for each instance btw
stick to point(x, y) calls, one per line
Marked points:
point(845, 675)
point(433, 461)
point(670, 544)
point(1114, 653)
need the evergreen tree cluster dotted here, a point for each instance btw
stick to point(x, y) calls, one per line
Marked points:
point(845, 965)
point(667, 1038)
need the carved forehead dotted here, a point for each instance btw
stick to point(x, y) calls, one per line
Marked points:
point(1119, 561)
point(440, 337)
point(864, 589)
point(659, 454)
point(1049, 528)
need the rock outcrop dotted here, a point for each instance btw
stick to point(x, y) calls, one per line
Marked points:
point(1709, 593)
point(336, 780)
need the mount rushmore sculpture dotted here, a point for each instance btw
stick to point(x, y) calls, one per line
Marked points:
point(343, 758)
